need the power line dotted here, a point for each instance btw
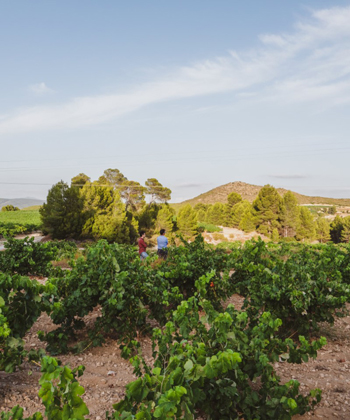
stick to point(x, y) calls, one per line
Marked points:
point(184, 158)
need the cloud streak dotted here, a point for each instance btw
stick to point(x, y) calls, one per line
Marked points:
point(40, 89)
point(310, 64)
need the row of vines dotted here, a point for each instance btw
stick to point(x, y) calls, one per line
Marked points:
point(209, 360)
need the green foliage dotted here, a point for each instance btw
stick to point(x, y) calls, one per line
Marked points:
point(266, 209)
point(187, 221)
point(105, 277)
point(10, 207)
point(62, 214)
point(332, 210)
point(207, 227)
point(306, 227)
point(105, 214)
point(289, 215)
point(247, 222)
point(18, 222)
point(302, 288)
point(345, 234)
point(323, 230)
point(336, 229)
point(79, 180)
point(206, 365)
point(275, 236)
point(233, 198)
point(216, 214)
point(60, 393)
point(133, 194)
point(164, 219)
point(186, 264)
point(22, 302)
point(157, 192)
point(241, 209)
point(24, 256)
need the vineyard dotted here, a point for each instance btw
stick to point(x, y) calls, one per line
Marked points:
point(17, 222)
point(188, 352)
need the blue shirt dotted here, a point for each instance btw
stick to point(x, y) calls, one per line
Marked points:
point(162, 241)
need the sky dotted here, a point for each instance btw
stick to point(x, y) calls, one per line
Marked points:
point(194, 93)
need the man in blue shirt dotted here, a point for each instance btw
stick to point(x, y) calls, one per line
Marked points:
point(162, 242)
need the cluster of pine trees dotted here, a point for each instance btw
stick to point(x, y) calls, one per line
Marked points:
point(115, 208)
point(270, 214)
point(112, 207)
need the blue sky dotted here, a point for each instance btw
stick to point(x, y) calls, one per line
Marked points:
point(193, 93)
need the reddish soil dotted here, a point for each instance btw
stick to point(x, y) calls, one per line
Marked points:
point(330, 372)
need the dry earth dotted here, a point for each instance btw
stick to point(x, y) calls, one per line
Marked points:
point(106, 373)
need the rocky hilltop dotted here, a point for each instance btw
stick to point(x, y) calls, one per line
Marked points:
point(249, 192)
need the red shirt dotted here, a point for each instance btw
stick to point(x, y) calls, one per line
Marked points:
point(142, 245)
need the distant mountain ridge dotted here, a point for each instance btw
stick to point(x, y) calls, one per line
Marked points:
point(249, 192)
point(21, 202)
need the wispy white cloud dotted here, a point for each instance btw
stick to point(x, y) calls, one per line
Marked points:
point(40, 89)
point(312, 63)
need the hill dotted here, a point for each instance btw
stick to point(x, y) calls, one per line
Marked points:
point(20, 202)
point(249, 192)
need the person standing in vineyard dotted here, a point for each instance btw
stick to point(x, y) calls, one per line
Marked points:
point(162, 242)
point(142, 245)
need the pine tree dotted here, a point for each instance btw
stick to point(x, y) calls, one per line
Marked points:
point(233, 198)
point(62, 215)
point(216, 214)
point(201, 215)
point(322, 230)
point(164, 219)
point(306, 227)
point(106, 215)
point(267, 209)
point(187, 221)
point(336, 229)
point(79, 180)
point(345, 235)
point(289, 215)
point(157, 192)
point(238, 211)
point(247, 223)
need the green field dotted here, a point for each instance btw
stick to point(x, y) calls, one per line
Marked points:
point(16, 222)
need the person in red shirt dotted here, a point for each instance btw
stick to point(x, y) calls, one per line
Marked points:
point(142, 245)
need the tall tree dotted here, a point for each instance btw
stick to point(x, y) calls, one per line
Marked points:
point(79, 180)
point(216, 214)
point(289, 215)
point(233, 198)
point(345, 235)
point(147, 217)
point(114, 177)
point(238, 211)
point(187, 221)
point(106, 216)
point(62, 215)
point(322, 230)
point(156, 191)
point(164, 219)
point(247, 222)
point(336, 229)
point(267, 209)
point(306, 227)
point(133, 194)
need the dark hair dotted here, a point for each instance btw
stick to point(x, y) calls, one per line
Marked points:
point(142, 232)
point(162, 231)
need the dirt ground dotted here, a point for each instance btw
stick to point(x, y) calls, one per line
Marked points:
point(106, 374)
